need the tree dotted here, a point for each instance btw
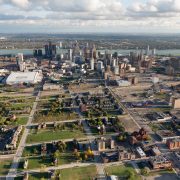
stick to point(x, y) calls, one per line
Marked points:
point(61, 146)
point(145, 171)
point(35, 151)
point(131, 174)
point(56, 155)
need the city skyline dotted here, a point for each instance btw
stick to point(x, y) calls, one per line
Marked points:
point(95, 16)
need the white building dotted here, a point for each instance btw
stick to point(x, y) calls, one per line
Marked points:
point(70, 54)
point(114, 62)
point(116, 70)
point(50, 86)
point(123, 83)
point(140, 152)
point(100, 66)
point(24, 77)
point(92, 64)
point(20, 57)
point(3, 72)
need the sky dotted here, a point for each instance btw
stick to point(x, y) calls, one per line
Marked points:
point(90, 16)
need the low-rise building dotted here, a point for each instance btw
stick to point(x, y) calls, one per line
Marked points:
point(126, 155)
point(173, 144)
point(50, 86)
point(159, 117)
point(160, 162)
point(167, 135)
point(123, 83)
point(103, 144)
point(12, 144)
point(176, 103)
point(155, 151)
point(140, 152)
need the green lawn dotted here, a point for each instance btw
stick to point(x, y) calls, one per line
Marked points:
point(19, 106)
point(124, 171)
point(79, 173)
point(4, 166)
point(52, 135)
point(40, 175)
point(31, 151)
point(20, 121)
point(42, 162)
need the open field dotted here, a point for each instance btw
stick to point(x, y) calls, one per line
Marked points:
point(51, 135)
point(20, 121)
point(79, 173)
point(64, 116)
point(84, 88)
point(128, 123)
point(41, 162)
point(123, 171)
point(36, 176)
point(4, 166)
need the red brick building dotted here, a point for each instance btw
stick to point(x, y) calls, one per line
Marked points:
point(173, 144)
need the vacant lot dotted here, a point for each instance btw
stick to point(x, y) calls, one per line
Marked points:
point(41, 162)
point(123, 171)
point(79, 173)
point(52, 135)
point(4, 166)
point(128, 123)
point(81, 88)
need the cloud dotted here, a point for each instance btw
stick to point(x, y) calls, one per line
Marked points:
point(91, 13)
point(20, 3)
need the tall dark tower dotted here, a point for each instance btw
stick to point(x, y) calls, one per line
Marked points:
point(50, 50)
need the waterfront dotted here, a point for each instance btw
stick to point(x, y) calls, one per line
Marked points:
point(173, 52)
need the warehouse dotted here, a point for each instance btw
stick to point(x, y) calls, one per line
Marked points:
point(24, 77)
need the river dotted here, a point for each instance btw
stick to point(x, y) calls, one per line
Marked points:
point(174, 52)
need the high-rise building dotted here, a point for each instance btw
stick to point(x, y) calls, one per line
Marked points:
point(37, 53)
point(93, 52)
point(70, 54)
point(20, 62)
point(154, 52)
point(100, 66)
point(116, 70)
point(92, 63)
point(114, 62)
point(40, 52)
point(60, 44)
point(20, 57)
point(147, 50)
point(50, 50)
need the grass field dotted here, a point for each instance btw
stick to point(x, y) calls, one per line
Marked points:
point(21, 121)
point(79, 173)
point(123, 171)
point(42, 162)
point(57, 117)
point(50, 135)
point(41, 175)
point(4, 166)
